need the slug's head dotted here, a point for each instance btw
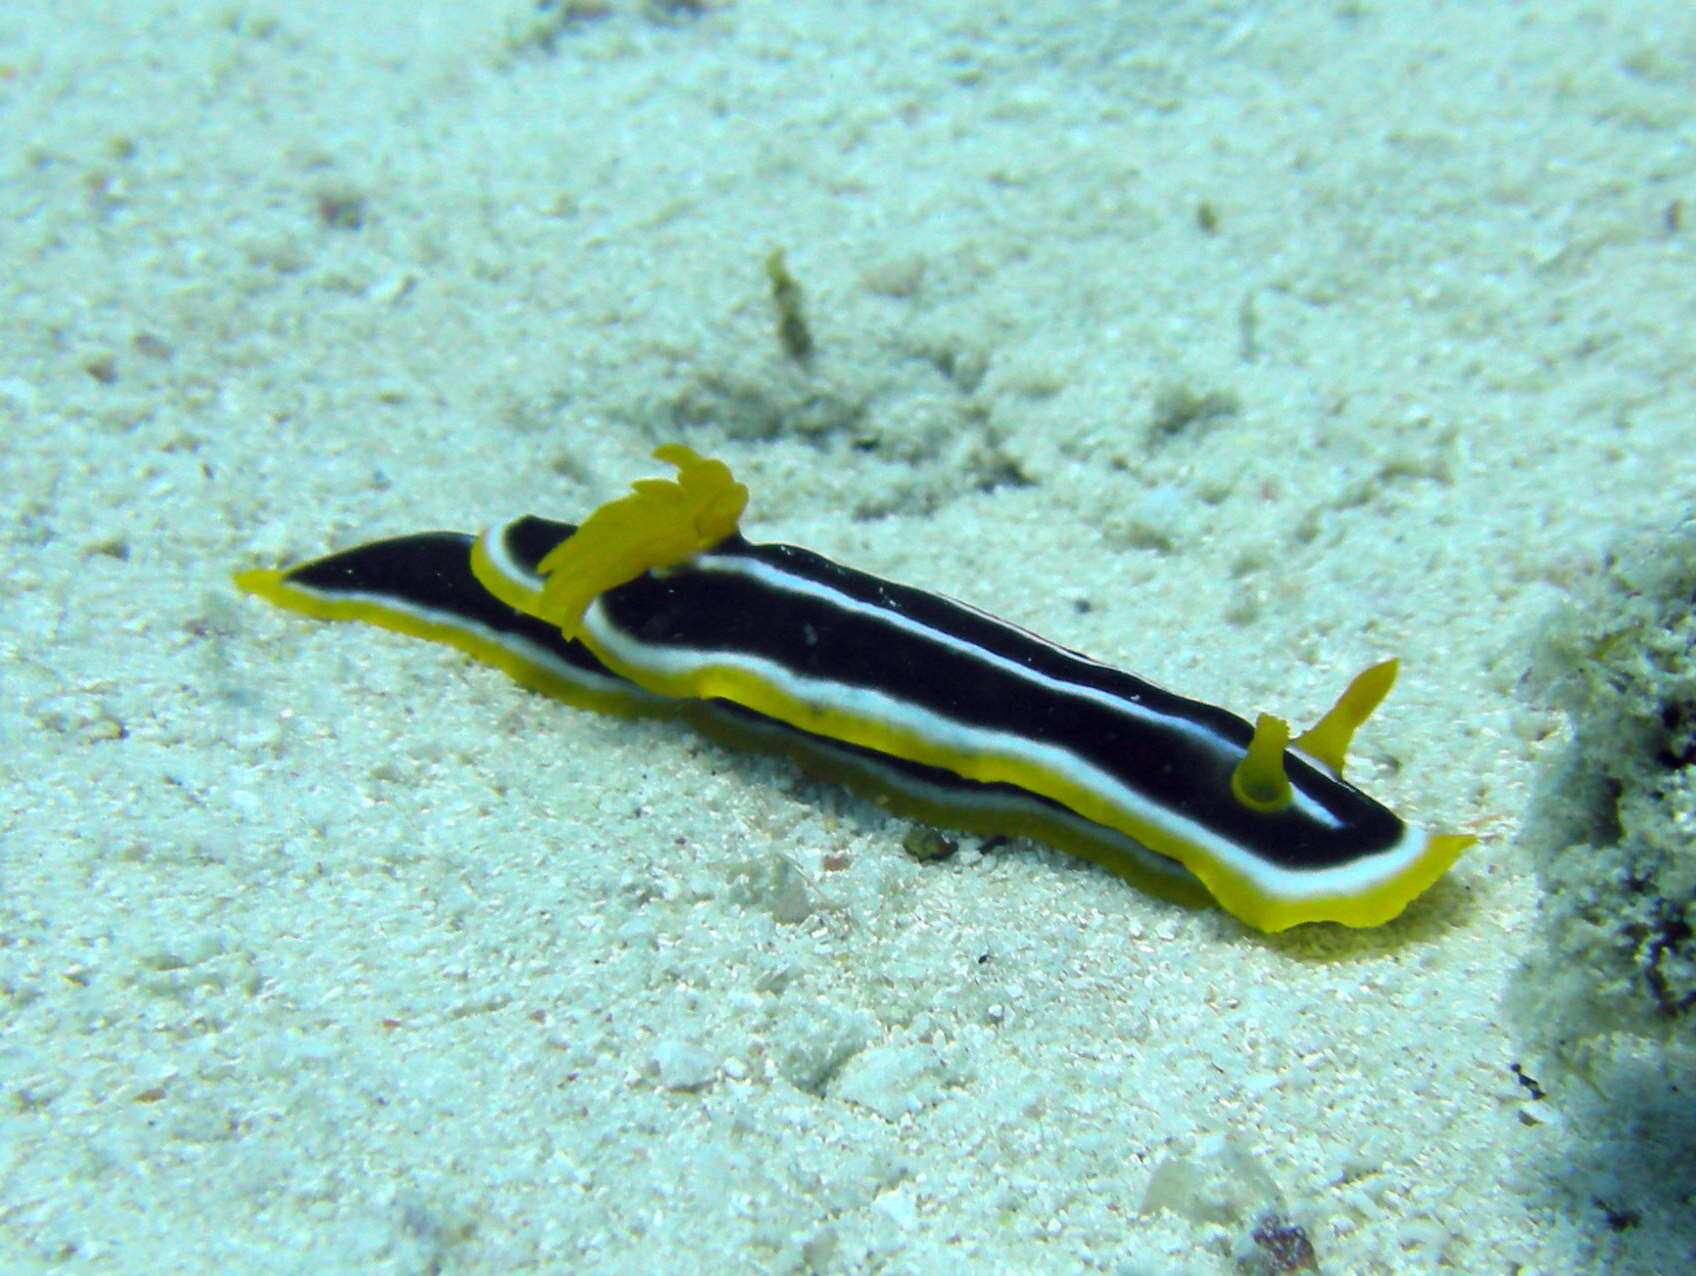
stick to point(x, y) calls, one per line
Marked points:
point(1316, 846)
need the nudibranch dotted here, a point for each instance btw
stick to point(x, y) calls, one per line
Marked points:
point(656, 604)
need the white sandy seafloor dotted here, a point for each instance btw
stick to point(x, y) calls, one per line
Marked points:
point(1239, 344)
